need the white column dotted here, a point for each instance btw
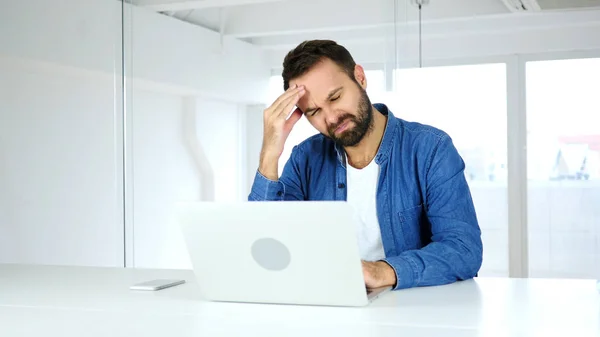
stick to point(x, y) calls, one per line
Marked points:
point(517, 170)
point(192, 143)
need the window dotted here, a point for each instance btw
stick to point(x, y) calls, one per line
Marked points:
point(563, 160)
point(469, 103)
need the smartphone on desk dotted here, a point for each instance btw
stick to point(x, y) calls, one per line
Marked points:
point(156, 284)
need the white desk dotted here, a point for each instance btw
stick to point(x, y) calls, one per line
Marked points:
point(78, 301)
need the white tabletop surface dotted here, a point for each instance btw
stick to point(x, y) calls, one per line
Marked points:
point(81, 301)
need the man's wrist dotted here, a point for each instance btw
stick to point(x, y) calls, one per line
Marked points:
point(268, 166)
point(389, 274)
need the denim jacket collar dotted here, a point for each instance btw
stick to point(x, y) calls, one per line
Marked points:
point(386, 143)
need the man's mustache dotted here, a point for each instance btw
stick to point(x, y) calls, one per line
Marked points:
point(340, 121)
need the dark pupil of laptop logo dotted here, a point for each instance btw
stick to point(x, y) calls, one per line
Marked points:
point(271, 254)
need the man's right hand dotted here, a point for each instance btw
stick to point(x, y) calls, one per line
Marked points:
point(277, 129)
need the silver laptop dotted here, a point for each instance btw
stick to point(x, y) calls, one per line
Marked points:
point(288, 252)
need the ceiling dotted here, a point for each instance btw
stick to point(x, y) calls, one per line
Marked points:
point(279, 25)
point(268, 18)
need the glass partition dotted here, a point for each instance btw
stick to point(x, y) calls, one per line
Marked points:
point(61, 194)
point(199, 79)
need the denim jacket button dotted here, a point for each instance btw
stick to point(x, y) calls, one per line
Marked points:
point(341, 185)
point(279, 193)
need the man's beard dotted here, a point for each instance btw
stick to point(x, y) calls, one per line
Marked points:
point(363, 122)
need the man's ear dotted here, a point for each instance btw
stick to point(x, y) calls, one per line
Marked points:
point(359, 75)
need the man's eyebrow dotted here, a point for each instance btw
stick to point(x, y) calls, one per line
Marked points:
point(333, 92)
point(309, 110)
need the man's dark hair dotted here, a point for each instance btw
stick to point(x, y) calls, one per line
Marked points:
point(302, 58)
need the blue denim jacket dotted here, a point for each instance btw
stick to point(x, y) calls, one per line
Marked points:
point(428, 223)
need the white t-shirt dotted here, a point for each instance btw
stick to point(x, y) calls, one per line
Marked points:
point(362, 194)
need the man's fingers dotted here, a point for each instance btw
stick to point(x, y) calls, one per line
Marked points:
point(282, 100)
point(291, 90)
point(286, 106)
point(294, 118)
point(285, 109)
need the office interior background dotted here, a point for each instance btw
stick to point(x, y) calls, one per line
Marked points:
point(111, 112)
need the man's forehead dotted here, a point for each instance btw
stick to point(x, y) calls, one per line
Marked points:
point(317, 90)
point(305, 101)
point(315, 85)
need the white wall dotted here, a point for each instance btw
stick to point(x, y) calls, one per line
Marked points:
point(87, 34)
point(191, 60)
point(59, 172)
point(163, 173)
point(164, 170)
point(84, 35)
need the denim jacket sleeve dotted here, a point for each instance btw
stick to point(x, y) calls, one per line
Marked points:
point(455, 251)
point(288, 187)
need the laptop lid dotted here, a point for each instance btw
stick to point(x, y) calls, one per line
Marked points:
point(275, 252)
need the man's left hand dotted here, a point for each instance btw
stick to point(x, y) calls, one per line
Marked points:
point(378, 274)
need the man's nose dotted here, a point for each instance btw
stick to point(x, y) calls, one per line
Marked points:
point(331, 116)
